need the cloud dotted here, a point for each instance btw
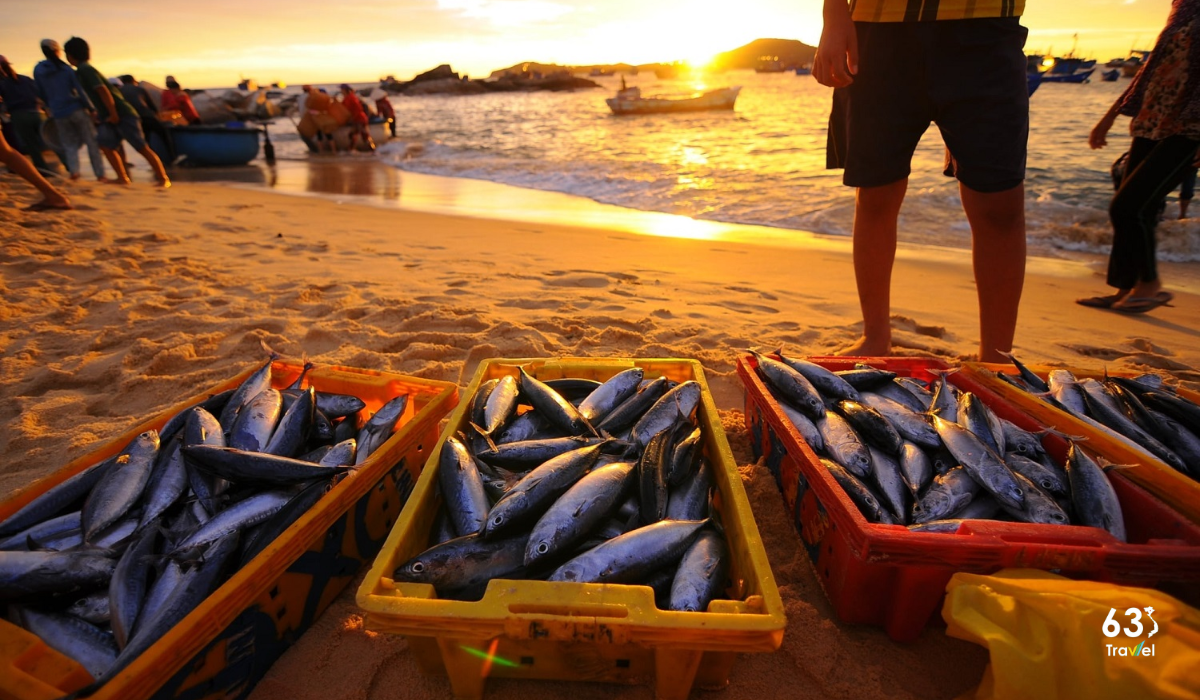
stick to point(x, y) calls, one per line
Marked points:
point(507, 13)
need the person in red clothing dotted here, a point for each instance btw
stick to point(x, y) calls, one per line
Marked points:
point(358, 118)
point(384, 106)
point(175, 99)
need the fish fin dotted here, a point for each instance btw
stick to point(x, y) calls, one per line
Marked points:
point(483, 434)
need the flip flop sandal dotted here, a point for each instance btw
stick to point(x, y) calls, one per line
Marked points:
point(1140, 305)
point(1103, 302)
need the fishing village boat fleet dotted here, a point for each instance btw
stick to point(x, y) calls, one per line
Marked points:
point(630, 101)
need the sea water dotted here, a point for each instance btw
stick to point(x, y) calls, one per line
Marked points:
point(764, 162)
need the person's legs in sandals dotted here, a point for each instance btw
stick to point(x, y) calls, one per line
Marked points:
point(1155, 168)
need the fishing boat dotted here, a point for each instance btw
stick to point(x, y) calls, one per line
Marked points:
point(630, 101)
point(234, 143)
point(1079, 76)
point(1110, 76)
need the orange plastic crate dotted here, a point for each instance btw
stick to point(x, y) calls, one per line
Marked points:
point(225, 646)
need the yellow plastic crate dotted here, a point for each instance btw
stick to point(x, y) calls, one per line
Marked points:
point(573, 631)
point(1157, 477)
point(227, 643)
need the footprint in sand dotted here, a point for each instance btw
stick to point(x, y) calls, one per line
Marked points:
point(585, 280)
point(749, 290)
point(748, 308)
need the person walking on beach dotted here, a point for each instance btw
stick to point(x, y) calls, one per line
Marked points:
point(1164, 101)
point(121, 122)
point(899, 65)
point(63, 94)
point(52, 198)
point(143, 104)
point(18, 93)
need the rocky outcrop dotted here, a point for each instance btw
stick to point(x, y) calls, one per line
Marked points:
point(444, 81)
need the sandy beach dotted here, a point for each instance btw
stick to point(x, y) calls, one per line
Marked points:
point(139, 297)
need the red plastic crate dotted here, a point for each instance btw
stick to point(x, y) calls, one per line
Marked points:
point(886, 575)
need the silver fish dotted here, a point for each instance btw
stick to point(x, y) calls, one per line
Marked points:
point(379, 427)
point(26, 574)
point(462, 488)
point(464, 562)
point(701, 574)
point(916, 468)
point(129, 584)
point(293, 428)
point(823, 380)
point(892, 487)
point(501, 404)
point(807, 429)
point(247, 390)
point(844, 445)
point(863, 496)
point(236, 518)
point(584, 507)
point(690, 500)
point(950, 493)
point(256, 421)
point(790, 385)
point(679, 401)
point(631, 556)
point(911, 425)
point(1092, 495)
point(612, 393)
point(981, 462)
point(120, 487)
point(85, 643)
point(554, 408)
point(538, 489)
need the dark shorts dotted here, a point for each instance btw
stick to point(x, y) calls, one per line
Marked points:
point(128, 129)
point(966, 76)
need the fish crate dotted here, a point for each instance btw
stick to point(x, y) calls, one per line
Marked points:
point(1152, 474)
point(227, 644)
point(888, 576)
point(575, 631)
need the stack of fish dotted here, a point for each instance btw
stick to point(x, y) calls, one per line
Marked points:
point(104, 564)
point(930, 457)
point(1141, 412)
point(594, 483)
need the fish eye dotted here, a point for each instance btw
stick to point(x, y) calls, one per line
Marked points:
point(1048, 484)
point(1019, 491)
point(499, 519)
point(1023, 449)
point(1059, 517)
point(543, 548)
point(417, 567)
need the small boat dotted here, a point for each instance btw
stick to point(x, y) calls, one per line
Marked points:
point(1110, 76)
point(234, 143)
point(630, 101)
point(804, 70)
point(1079, 76)
point(1033, 80)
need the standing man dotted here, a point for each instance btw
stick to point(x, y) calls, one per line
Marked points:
point(72, 111)
point(900, 65)
point(143, 104)
point(119, 121)
point(19, 96)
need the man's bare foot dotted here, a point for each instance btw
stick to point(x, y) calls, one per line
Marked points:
point(867, 347)
point(164, 183)
point(74, 177)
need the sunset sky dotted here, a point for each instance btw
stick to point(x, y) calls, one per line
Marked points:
point(214, 42)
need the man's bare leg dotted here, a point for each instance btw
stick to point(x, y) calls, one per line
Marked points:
point(118, 166)
point(876, 210)
point(998, 240)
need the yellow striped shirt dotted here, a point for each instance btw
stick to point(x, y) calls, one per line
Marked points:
point(927, 10)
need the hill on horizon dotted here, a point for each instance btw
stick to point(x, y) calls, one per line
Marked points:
point(789, 52)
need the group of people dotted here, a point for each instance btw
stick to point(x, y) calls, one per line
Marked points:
point(87, 111)
point(899, 65)
point(321, 115)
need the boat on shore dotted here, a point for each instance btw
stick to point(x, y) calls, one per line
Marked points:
point(630, 101)
point(234, 143)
